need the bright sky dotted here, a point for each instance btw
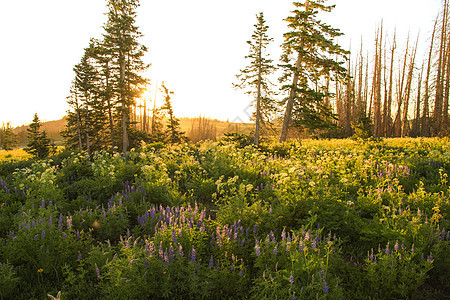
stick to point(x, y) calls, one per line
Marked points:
point(196, 46)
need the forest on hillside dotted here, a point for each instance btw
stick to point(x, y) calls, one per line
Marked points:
point(316, 88)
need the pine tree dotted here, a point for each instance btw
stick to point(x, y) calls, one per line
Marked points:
point(121, 43)
point(173, 131)
point(8, 139)
point(309, 54)
point(254, 77)
point(38, 143)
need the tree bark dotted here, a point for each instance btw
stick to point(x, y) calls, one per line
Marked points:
point(290, 101)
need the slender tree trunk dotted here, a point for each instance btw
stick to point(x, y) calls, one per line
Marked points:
point(258, 95)
point(446, 95)
point(359, 105)
point(123, 99)
point(292, 94)
point(405, 124)
point(391, 77)
point(80, 124)
point(398, 121)
point(416, 126)
point(426, 115)
point(366, 89)
point(377, 84)
point(438, 103)
point(384, 114)
point(110, 108)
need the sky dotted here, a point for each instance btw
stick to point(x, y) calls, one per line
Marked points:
point(197, 47)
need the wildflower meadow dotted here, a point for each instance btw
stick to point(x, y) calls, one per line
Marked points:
point(328, 219)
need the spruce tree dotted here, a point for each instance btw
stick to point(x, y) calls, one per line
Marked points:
point(310, 54)
point(8, 139)
point(39, 144)
point(254, 78)
point(126, 64)
point(173, 132)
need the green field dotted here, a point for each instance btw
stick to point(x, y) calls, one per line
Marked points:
point(320, 219)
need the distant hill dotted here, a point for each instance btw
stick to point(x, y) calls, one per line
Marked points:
point(196, 129)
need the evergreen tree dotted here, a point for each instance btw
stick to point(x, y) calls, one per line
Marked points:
point(309, 55)
point(173, 131)
point(8, 139)
point(38, 143)
point(86, 124)
point(254, 77)
point(121, 44)
point(73, 133)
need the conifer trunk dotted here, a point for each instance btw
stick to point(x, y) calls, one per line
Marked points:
point(290, 101)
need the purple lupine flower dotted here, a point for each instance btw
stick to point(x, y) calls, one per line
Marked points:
point(272, 236)
point(193, 254)
point(43, 203)
point(314, 245)
point(211, 262)
point(97, 270)
point(396, 247)
point(430, 257)
point(291, 278)
point(275, 249)
point(240, 273)
point(166, 257)
point(50, 202)
point(64, 235)
point(403, 245)
point(325, 287)
point(60, 222)
point(78, 235)
point(79, 255)
point(36, 237)
point(12, 234)
point(412, 249)
point(146, 263)
point(387, 251)
point(258, 250)
point(283, 235)
point(300, 246)
point(307, 236)
point(161, 251)
point(43, 234)
point(255, 228)
point(174, 236)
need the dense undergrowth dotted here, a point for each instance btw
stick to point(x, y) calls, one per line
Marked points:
point(323, 220)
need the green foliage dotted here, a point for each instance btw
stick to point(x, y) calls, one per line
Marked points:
point(310, 57)
point(255, 77)
point(38, 143)
point(8, 280)
point(223, 220)
point(363, 130)
point(173, 133)
point(8, 139)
